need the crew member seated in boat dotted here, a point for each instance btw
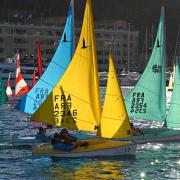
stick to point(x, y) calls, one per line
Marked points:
point(41, 135)
point(65, 141)
point(136, 131)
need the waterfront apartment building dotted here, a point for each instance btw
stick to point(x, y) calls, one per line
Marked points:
point(117, 35)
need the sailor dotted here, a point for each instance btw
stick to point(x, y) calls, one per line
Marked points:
point(41, 135)
point(136, 131)
point(65, 141)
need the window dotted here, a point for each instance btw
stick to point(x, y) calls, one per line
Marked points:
point(20, 41)
point(19, 31)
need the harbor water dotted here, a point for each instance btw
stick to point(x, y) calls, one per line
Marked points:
point(152, 161)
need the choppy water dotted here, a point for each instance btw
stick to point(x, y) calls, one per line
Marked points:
point(153, 160)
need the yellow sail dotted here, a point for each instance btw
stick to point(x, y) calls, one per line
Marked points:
point(114, 120)
point(78, 89)
point(171, 79)
point(170, 85)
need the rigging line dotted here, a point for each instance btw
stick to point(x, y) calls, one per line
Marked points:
point(61, 67)
point(114, 95)
point(86, 102)
point(41, 79)
point(170, 122)
point(176, 47)
point(147, 89)
point(116, 119)
point(175, 103)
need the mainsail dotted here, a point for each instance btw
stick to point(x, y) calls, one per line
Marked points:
point(173, 117)
point(21, 87)
point(3, 96)
point(78, 88)
point(8, 88)
point(114, 120)
point(54, 71)
point(147, 100)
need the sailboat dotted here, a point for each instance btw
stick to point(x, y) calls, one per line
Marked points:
point(172, 120)
point(147, 100)
point(75, 102)
point(3, 96)
point(8, 88)
point(21, 87)
point(55, 70)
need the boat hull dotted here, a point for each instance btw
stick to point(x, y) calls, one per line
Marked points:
point(26, 141)
point(31, 140)
point(96, 148)
point(157, 135)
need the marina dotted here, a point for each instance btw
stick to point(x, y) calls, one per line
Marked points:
point(83, 117)
point(152, 159)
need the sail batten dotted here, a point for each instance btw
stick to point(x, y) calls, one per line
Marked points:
point(80, 86)
point(147, 100)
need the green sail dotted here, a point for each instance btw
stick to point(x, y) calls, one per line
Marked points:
point(147, 100)
point(3, 96)
point(173, 117)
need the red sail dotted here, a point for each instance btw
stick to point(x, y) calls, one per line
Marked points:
point(39, 59)
point(21, 86)
point(34, 78)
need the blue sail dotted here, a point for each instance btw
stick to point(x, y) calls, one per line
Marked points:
point(60, 61)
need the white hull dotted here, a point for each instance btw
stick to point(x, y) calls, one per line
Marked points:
point(26, 141)
point(162, 139)
point(126, 151)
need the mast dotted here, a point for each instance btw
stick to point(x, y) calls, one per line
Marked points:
point(152, 34)
point(176, 47)
point(128, 53)
point(73, 26)
point(146, 46)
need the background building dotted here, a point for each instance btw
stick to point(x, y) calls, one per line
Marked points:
point(117, 35)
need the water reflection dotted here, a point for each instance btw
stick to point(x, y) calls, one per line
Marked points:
point(85, 169)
